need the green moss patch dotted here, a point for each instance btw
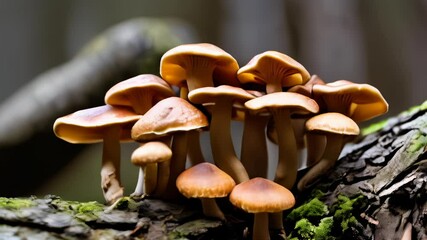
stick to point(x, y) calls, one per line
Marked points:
point(15, 203)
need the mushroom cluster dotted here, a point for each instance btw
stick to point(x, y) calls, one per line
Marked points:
point(274, 97)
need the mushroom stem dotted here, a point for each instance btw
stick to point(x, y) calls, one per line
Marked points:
point(150, 178)
point(110, 172)
point(287, 166)
point(334, 144)
point(136, 103)
point(211, 209)
point(273, 87)
point(177, 164)
point(163, 172)
point(223, 152)
point(201, 74)
point(139, 189)
point(315, 146)
point(260, 229)
point(195, 154)
point(254, 154)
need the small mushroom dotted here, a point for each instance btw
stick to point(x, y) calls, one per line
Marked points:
point(282, 105)
point(359, 101)
point(172, 116)
point(197, 65)
point(334, 126)
point(223, 97)
point(147, 155)
point(206, 182)
point(273, 69)
point(140, 92)
point(261, 196)
point(106, 124)
point(191, 66)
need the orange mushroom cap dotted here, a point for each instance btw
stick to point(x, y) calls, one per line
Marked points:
point(204, 180)
point(179, 63)
point(261, 195)
point(272, 67)
point(360, 102)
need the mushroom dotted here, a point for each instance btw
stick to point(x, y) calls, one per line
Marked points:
point(273, 69)
point(106, 124)
point(261, 196)
point(282, 105)
point(223, 151)
point(206, 182)
point(147, 156)
point(141, 93)
point(191, 66)
point(334, 126)
point(172, 116)
point(358, 101)
point(197, 65)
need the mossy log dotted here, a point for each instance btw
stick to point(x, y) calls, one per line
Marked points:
point(377, 190)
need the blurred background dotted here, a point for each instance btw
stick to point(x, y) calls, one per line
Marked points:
point(365, 41)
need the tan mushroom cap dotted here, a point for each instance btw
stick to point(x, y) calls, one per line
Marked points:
point(151, 152)
point(296, 103)
point(360, 102)
point(273, 66)
point(176, 63)
point(88, 125)
point(144, 86)
point(332, 123)
point(261, 195)
point(167, 116)
point(204, 180)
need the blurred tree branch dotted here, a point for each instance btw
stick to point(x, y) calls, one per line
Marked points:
point(26, 118)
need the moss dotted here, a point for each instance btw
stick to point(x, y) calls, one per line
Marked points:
point(15, 203)
point(313, 208)
point(343, 210)
point(304, 229)
point(323, 231)
point(419, 141)
point(374, 127)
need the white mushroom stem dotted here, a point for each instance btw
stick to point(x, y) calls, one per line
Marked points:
point(211, 209)
point(260, 227)
point(273, 87)
point(334, 145)
point(195, 154)
point(110, 172)
point(223, 152)
point(177, 164)
point(254, 154)
point(139, 189)
point(287, 166)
